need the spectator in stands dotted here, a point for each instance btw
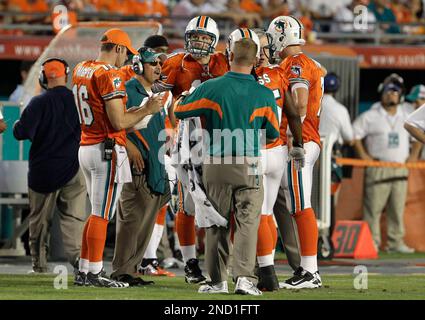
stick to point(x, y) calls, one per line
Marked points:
point(18, 93)
point(51, 123)
point(345, 17)
point(250, 6)
point(244, 16)
point(86, 6)
point(401, 11)
point(322, 9)
point(385, 187)
point(151, 8)
point(3, 125)
point(275, 8)
point(187, 9)
point(416, 8)
point(117, 7)
point(385, 15)
point(31, 7)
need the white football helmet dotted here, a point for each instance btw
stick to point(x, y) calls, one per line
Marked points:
point(239, 34)
point(285, 31)
point(201, 25)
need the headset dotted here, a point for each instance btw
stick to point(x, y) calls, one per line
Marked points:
point(42, 79)
point(395, 79)
point(137, 61)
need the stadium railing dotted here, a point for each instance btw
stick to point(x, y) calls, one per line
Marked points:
point(324, 30)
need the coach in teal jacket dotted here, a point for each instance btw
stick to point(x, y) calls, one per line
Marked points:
point(234, 103)
point(141, 199)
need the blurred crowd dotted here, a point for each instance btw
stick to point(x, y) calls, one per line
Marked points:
point(396, 16)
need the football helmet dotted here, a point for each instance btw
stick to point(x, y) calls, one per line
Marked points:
point(285, 31)
point(239, 34)
point(201, 25)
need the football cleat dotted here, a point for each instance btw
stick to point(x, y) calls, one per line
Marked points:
point(318, 279)
point(220, 287)
point(81, 279)
point(245, 286)
point(302, 279)
point(267, 280)
point(193, 273)
point(133, 281)
point(153, 269)
point(100, 280)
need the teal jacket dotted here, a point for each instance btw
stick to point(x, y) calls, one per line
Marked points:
point(233, 104)
point(147, 140)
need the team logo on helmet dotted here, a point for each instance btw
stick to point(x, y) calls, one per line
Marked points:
point(280, 26)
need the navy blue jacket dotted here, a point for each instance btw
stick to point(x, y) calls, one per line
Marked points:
point(51, 123)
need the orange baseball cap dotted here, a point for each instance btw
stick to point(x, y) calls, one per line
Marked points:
point(119, 37)
point(54, 69)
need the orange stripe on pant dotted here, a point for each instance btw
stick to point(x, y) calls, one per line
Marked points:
point(111, 186)
point(295, 187)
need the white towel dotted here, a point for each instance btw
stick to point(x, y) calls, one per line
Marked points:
point(205, 214)
point(123, 171)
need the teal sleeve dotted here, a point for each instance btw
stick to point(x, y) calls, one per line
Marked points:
point(192, 105)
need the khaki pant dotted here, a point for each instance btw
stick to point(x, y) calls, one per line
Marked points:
point(136, 215)
point(70, 201)
point(229, 187)
point(288, 230)
point(385, 188)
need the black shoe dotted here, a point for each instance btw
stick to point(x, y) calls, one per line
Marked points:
point(193, 273)
point(302, 279)
point(81, 279)
point(100, 280)
point(133, 281)
point(267, 279)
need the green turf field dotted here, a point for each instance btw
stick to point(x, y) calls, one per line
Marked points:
point(404, 287)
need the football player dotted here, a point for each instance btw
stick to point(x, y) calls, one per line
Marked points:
point(306, 83)
point(184, 71)
point(100, 97)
